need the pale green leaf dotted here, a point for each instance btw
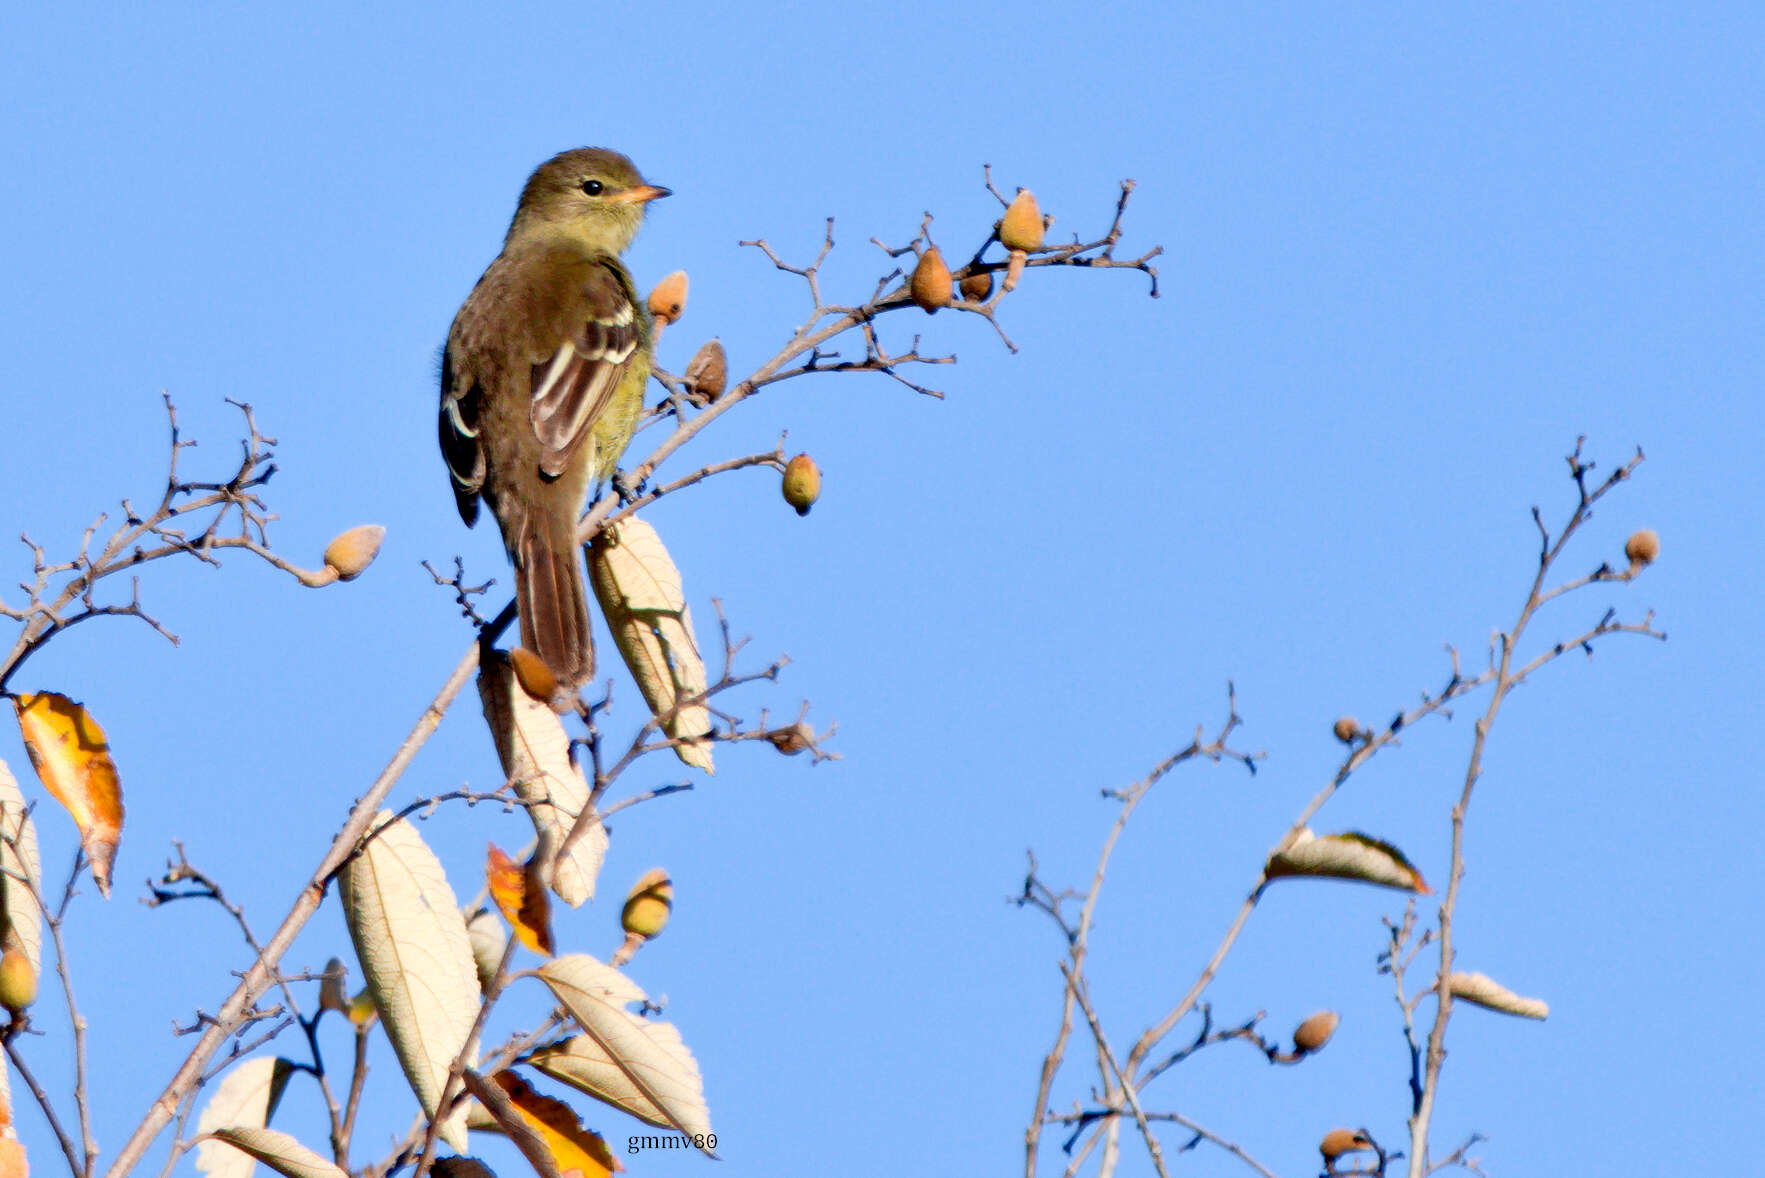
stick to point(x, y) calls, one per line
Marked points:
point(21, 875)
point(245, 1098)
point(630, 1062)
point(416, 956)
point(535, 754)
point(640, 595)
point(278, 1151)
point(488, 938)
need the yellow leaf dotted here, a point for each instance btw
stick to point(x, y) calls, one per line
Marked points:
point(70, 754)
point(572, 1146)
point(521, 898)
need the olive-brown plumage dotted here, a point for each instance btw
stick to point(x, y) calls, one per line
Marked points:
point(542, 384)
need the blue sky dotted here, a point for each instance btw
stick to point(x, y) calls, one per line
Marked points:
point(1410, 256)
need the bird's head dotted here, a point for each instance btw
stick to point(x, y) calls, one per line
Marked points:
point(591, 194)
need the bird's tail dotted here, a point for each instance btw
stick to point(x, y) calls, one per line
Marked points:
point(553, 599)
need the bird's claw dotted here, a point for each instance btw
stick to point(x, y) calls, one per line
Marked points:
point(624, 489)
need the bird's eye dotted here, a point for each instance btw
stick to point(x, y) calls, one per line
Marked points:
point(593, 187)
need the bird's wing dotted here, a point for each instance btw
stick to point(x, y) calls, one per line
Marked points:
point(573, 388)
point(460, 409)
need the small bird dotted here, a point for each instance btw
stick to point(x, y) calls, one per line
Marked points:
point(542, 385)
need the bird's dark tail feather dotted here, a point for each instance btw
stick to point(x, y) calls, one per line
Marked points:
point(554, 602)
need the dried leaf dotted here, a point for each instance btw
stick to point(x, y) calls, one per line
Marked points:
point(707, 373)
point(639, 591)
point(280, 1152)
point(245, 1099)
point(70, 754)
point(1482, 990)
point(631, 1063)
point(1350, 855)
point(21, 875)
point(411, 941)
point(572, 1147)
point(520, 897)
point(503, 1117)
point(459, 1167)
point(535, 754)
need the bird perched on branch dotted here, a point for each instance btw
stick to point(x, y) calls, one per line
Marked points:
point(542, 385)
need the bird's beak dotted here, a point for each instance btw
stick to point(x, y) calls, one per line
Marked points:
point(644, 193)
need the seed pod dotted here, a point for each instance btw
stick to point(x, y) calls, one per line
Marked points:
point(798, 738)
point(535, 678)
point(18, 981)
point(1346, 729)
point(668, 299)
point(1642, 548)
point(332, 995)
point(802, 483)
point(352, 552)
point(707, 373)
point(1315, 1031)
point(1022, 228)
point(977, 286)
point(930, 284)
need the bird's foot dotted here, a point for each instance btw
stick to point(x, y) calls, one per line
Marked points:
point(624, 489)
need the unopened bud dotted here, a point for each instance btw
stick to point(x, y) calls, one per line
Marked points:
point(977, 286)
point(649, 904)
point(352, 552)
point(668, 299)
point(1346, 729)
point(1340, 1141)
point(535, 678)
point(361, 1009)
point(1314, 1032)
point(930, 284)
point(18, 981)
point(1021, 228)
point(1642, 548)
